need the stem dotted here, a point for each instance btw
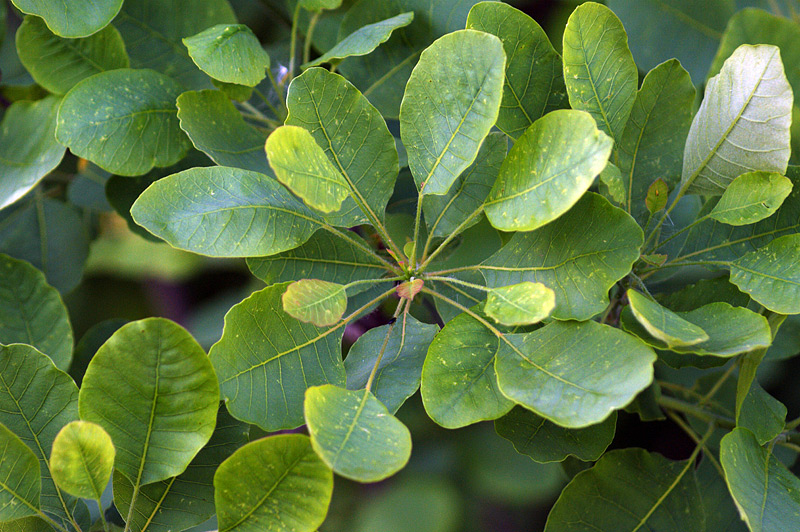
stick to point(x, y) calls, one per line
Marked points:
point(697, 440)
point(55, 524)
point(412, 260)
point(696, 222)
point(494, 330)
point(374, 371)
point(293, 43)
point(457, 281)
point(362, 246)
point(793, 424)
point(694, 411)
point(374, 281)
point(278, 92)
point(447, 240)
point(309, 34)
point(269, 103)
point(102, 515)
point(678, 197)
point(134, 496)
point(717, 385)
point(455, 270)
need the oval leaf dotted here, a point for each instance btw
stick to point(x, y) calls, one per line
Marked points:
point(153, 389)
point(20, 482)
point(751, 197)
point(313, 301)
point(82, 459)
point(520, 304)
point(76, 18)
point(451, 102)
point(664, 324)
point(354, 433)
point(771, 276)
point(547, 171)
point(229, 53)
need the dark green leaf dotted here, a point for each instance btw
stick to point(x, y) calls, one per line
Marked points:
point(751, 197)
point(764, 415)
point(82, 459)
point(720, 510)
point(76, 18)
point(770, 275)
point(230, 53)
point(20, 483)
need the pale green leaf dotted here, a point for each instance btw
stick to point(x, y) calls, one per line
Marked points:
point(552, 371)
point(451, 102)
point(264, 376)
point(770, 275)
point(277, 484)
point(534, 83)
point(58, 64)
point(313, 301)
point(742, 124)
point(523, 303)
point(230, 53)
point(579, 256)
point(28, 148)
point(663, 324)
point(124, 120)
point(547, 171)
point(612, 185)
point(153, 389)
point(31, 312)
point(355, 434)
point(762, 414)
point(319, 5)
point(302, 165)
point(20, 483)
point(766, 493)
point(599, 71)
point(76, 18)
point(364, 40)
point(751, 197)
point(82, 459)
point(224, 212)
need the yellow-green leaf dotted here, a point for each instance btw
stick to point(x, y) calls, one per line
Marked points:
point(82, 459)
point(313, 301)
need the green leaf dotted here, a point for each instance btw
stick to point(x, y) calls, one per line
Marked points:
point(450, 104)
point(663, 324)
point(264, 376)
point(398, 375)
point(751, 197)
point(28, 149)
point(124, 120)
point(630, 489)
point(718, 505)
point(224, 212)
point(770, 275)
point(599, 71)
point(552, 371)
point(76, 18)
point(31, 312)
point(82, 459)
point(229, 53)
point(651, 146)
point(657, 196)
point(544, 441)
point(36, 400)
point(188, 499)
point(444, 214)
point(742, 124)
point(321, 303)
point(153, 30)
point(319, 5)
point(217, 128)
point(766, 493)
point(20, 483)
point(301, 164)
point(58, 64)
point(277, 484)
point(579, 256)
point(364, 40)
point(355, 434)
point(534, 83)
point(547, 171)
point(325, 256)
point(353, 135)
point(523, 303)
point(749, 363)
point(612, 187)
point(459, 386)
point(159, 406)
point(762, 414)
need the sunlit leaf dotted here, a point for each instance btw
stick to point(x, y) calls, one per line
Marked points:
point(520, 304)
point(771, 275)
point(313, 301)
point(230, 53)
point(82, 459)
point(664, 324)
point(751, 197)
point(77, 18)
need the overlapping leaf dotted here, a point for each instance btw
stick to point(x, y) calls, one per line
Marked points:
point(229, 53)
point(751, 197)
point(313, 301)
point(77, 18)
point(664, 324)
point(523, 303)
point(20, 483)
point(770, 275)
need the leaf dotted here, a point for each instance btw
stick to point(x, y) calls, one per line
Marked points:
point(544, 441)
point(612, 186)
point(77, 18)
point(319, 5)
point(663, 324)
point(523, 303)
point(160, 406)
point(579, 256)
point(82, 459)
point(263, 376)
point(547, 171)
point(450, 104)
point(552, 371)
point(31, 312)
point(652, 142)
point(355, 434)
point(353, 135)
point(276, 483)
point(153, 30)
point(224, 212)
point(124, 121)
point(229, 53)
point(28, 150)
point(762, 414)
point(399, 369)
point(534, 83)
point(36, 400)
point(58, 64)
point(599, 71)
point(217, 129)
point(630, 489)
point(718, 505)
point(364, 40)
point(20, 483)
point(742, 124)
point(657, 196)
point(766, 493)
point(770, 275)
point(751, 197)
point(313, 301)
point(301, 165)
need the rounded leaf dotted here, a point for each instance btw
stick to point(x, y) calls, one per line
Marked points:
point(520, 304)
point(771, 276)
point(229, 53)
point(75, 18)
point(82, 459)
point(751, 197)
point(313, 301)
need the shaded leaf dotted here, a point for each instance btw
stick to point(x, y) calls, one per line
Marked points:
point(663, 324)
point(319, 5)
point(657, 196)
point(718, 505)
point(770, 275)
point(82, 459)
point(77, 18)
point(751, 197)
point(313, 301)
point(230, 53)
point(20, 483)
point(520, 304)
point(762, 414)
